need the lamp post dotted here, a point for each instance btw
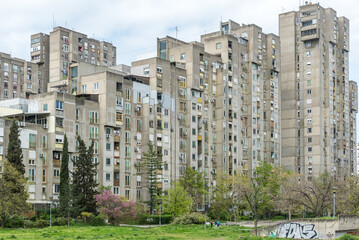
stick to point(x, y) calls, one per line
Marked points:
point(334, 190)
point(51, 211)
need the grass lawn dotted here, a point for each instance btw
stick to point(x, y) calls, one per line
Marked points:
point(110, 232)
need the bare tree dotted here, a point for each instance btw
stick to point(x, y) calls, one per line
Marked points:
point(315, 195)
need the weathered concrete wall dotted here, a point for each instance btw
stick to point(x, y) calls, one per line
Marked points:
point(312, 228)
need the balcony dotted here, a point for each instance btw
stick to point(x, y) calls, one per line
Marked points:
point(57, 163)
point(116, 182)
point(310, 34)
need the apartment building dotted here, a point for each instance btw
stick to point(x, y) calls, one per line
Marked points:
point(18, 78)
point(106, 111)
point(61, 48)
point(353, 108)
point(251, 102)
point(315, 93)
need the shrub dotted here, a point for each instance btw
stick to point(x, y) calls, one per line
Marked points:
point(347, 237)
point(60, 221)
point(14, 221)
point(97, 221)
point(86, 216)
point(190, 218)
point(42, 223)
point(154, 219)
point(30, 224)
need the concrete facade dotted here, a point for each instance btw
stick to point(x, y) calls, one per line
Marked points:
point(316, 115)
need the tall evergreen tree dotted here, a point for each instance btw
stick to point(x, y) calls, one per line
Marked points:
point(64, 197)
point(151, 165)
point(13, 193)
point(14, 151)
point(84, 183)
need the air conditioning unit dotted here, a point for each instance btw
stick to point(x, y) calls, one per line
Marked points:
point(213, 124)
point(213, 100)
point(45, 126)
point(107, 135)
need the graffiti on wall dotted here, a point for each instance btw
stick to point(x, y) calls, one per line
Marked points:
point(296, 230)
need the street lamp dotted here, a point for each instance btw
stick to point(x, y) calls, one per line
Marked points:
point(334, 190)
point(51, 211)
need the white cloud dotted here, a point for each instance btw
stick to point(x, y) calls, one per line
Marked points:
point(134, 25)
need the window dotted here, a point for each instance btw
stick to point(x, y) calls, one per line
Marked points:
point(83, 88)
point(127, 180)
point(159, 69)
point(108, 176)
point(127, 96)
point(128, 108)
point(31, 174)
point(309, 130)
point(309, 82)
point(56, 188)
point(309, 149)
point(183, 56)
point(116, 190)
point(127, 194)
point(146, 71)
point(56, 172)
point(166, 112)
point(165, 125)
point(310, 139)
point(127, 151)
point(218, 45)
point(309, 110)
point(127, 165)
point(95, 86)
point(309, 53)
point(93, 117)
point(309, 101)
point(59, 105)
point(308, 44)
point(108, 161)
point(44, 107)
point(32, 141)
point(108, 146)
point(309, 120)
point(309, 91)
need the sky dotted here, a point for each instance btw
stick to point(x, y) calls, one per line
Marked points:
point(134, 25)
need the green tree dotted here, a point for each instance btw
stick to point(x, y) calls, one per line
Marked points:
point(14, 151)
point(348, 196)
point(222, 197)
point(192, 182)
point(12, 201)
point(176, 201)
point(84, 183)
point(151, 166)
point(64, 198)
point(258, 192)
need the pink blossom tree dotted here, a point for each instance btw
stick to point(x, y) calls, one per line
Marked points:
point(115, 208)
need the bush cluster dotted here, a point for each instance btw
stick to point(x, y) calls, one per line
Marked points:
point(154, 219)
point(190, 218)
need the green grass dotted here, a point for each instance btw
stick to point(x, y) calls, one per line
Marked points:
point(111, 232)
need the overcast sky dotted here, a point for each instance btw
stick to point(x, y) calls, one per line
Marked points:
point(134, 25)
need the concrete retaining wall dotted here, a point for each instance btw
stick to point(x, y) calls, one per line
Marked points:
point(312, 228)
